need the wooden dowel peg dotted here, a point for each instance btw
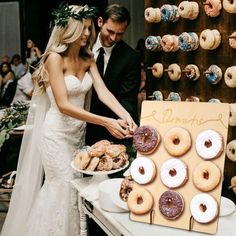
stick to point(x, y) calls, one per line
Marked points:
point(232, 37)
point(231, 186)
point(207, 72)
point(150, 68)
point(185, 71)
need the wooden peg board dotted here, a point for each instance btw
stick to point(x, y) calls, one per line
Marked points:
point(195, 118)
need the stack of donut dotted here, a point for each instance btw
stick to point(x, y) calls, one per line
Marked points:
point(169, 43)
point(210, 39)
point(188, 10)
point(188, 41)
point(153, 43)
point(213, 74)
point(169, 13)
point(101, 156)
point(212, 7)
point(152, 15)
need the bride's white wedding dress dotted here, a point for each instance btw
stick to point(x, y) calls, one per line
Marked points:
point(55, 210)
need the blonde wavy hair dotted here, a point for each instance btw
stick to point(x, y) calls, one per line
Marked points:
point(60, 39)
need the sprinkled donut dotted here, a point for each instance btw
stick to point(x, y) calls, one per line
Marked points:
point(230, 76)
point(153, 43)
point(173, 173)
point(206, 176)
point(143, 170)
point(177, 141)
point(231, 150)
point(192, 72)
point(213, 74)
point(146, 139)
point(171, 204)
point(209, 144)
point(126, 187)
point(213, 7)
point(140, 201)
point(204, 208)
point(232, 40)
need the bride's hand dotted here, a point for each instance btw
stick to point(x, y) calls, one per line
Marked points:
point(130, 124)
point(118, 128)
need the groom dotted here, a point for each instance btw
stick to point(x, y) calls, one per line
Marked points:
point(119, 67)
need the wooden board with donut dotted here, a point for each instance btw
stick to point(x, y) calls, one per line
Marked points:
point(178, 171)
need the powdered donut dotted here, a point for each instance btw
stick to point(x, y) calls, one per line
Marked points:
point(140, 201)
point(232, 40)
point(157, 70)
point(126, 187)
point(171, 204)
point(146, 139)
point(174, 72)
point(105, 164)
point(230, 76)
point(212, 7)
point(143, 170)
point(204, 208)
point(93, 164)
point(173, 173)
point(207, 39)
point(177, 141)
point(192, 72)
point(209, 144)
point(231, 150)
point(232, 114)
point(82, 159)
point(206, 176)
point(229, 6)
point(152, 15)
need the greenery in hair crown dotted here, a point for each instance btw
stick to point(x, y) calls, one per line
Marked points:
point(64, 12)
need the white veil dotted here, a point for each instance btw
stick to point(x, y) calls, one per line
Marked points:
point(29, 170)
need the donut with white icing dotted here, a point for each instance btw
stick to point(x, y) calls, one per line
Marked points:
point(209, 144)
point(143, 170)
point(230, 76)
point(173, 173)
point(152, 15)
point(204, 208)
point(206, 176)
point(231, 150)
point(207, 39)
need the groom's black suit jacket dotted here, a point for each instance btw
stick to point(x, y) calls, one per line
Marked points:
point(122, 78)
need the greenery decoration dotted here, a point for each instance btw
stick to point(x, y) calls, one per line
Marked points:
point(13, 117)
point(64, 11)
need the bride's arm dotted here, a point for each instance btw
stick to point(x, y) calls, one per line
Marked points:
point(108, 98)
point(54, 67)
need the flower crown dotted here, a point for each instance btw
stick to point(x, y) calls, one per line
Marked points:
point(64, 11)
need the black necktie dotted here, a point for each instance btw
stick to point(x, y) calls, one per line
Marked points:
point(100, 61)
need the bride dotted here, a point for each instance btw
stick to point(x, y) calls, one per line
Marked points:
point(56, 127)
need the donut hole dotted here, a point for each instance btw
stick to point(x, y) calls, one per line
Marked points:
point(145, 138)
point(181, 8)
point(176, 141)
point(229, 75)
point(206, 174)
point(141, 170)
point(139, 200)
point(232, 150)
point(204, 38)
point(172, 172)
point(208, 143)
point(202, 207)
point(170, 202)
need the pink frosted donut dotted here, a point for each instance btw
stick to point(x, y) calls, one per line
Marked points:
point(169, 43)
point(232, 40)
point(212, 7)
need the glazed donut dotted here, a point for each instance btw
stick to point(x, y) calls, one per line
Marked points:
point(229, 6)
point(157, 70)
point(146, 139)
point(232, 114)
point(177, 141)
point(152, 15)
point(206, 176)
point(209, 144)
point(143, 170)
point(171, 204)
point(207, 39)
point(233, 184)
point(173, 173)
point(192, 72)
point(174, 72)
point(114, 150)
point(212, 7)
point(126, 187)
point(81, 160)
point(153, 43)
point(230, 76)
point(140, 201)
point(213, 74)
point(98, 149)
point(93, 164)
point(172, 96)
point(204, 208)
point(231, 150)
point(232, 40)
point(105, 164)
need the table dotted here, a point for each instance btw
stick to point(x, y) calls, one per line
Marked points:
point(120, 223)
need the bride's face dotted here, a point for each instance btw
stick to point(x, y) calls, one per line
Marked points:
point(82, 40)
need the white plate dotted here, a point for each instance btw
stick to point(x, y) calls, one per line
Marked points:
point(227, 206)
point(99, 172)
point(115, 195)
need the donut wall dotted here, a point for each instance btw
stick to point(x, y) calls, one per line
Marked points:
point(178, 171)
point(191, 56)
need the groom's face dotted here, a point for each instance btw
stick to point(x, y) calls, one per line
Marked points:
point(110, 31)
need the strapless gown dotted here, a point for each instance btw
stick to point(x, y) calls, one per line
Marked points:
point(55, 212)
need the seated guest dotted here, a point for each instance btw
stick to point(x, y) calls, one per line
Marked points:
point(24, 88)
point(8, 87)
point(17, 66)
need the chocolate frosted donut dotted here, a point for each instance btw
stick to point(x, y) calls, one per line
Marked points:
point(171, 204)
point(146, 139)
